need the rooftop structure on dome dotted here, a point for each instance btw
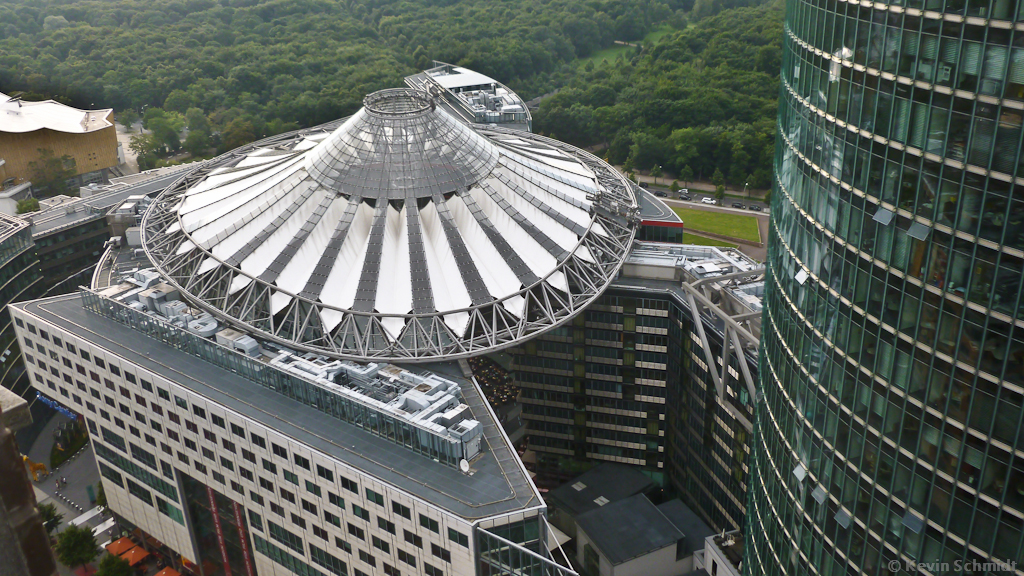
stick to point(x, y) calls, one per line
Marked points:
point(403, 235)
point(473, 97)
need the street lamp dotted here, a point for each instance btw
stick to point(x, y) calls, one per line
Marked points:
point(745, 190)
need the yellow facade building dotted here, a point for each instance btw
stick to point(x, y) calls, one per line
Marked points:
point(88, 137)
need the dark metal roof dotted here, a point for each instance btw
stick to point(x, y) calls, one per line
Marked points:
point(609, 480)
point(628, 528)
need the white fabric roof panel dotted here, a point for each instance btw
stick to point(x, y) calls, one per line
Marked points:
point(299, 215)
point(19, 117)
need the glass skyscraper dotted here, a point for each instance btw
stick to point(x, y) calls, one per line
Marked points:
point(893, 340)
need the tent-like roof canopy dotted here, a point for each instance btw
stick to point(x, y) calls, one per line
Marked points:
point(403, 234)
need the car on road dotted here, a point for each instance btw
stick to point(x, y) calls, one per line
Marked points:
point(686, 197)
point(660, 194)
point(644, 185)
point(737, 205)
point(754, 207)
point(708, 200)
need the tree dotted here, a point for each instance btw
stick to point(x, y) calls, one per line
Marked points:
point(101, 496)
point(51, 518)
point(717, 178)
point(686, 174)
point(128, 117)
point(27, 205)
point(656, 172)
point(720, 192)
point(76, 546)
point(51, 173)
point(112, 565)
point(674, 187)
point(197, 142)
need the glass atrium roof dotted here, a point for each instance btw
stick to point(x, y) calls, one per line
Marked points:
point(403, 234)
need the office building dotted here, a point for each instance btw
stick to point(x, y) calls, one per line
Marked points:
point(473, 97)
point(214, 365)
point(893, 348)
point(86, 137)
point(636, 380)
point(20, 279)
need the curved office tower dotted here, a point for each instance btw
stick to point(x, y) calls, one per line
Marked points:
point(893, 365)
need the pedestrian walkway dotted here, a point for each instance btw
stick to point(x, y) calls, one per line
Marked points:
point(80, 472)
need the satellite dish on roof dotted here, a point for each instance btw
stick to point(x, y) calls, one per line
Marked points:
point(464, 466)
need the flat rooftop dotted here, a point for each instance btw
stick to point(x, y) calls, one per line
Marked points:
point(497, 483)
point(70, 213)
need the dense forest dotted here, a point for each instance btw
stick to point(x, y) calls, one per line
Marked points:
point(703, 98)
point(235, 70)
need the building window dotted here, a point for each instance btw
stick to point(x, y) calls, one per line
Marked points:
point(285, 537)
point(290, 476)
point(280, 451)
point(440, 553)
point(356, 531)
point(374, 497)
point(246, 473)
point(365, 557)
point(301, 461)
point(385, 525)
point(255, 521)
point(312, 488)
point(267, 485)
point(360, 512)
point(276, 509)
point(227, 464)
point(259, 441)
point(298, 521)
point(269, 466)
point(458, 537)
point(401, 509)
point(342, 545)
point(287, 495)
point(349, 485)
point(248, 456)
point(324, 473)
point(429, 524)
point(237, 430)
point(320, 532)
point(217, 420)
point(309, 507)
point(198, 411)
point(332, 518)
point(413, 539)
point(390, 570)
point(336, 500)
point(381, 545)
point(407, 557)
point(431, 571)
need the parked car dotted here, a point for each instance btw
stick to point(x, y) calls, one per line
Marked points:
point(684, 190)
point(644, 185)
point(686, 197)
point(708, 200)
point(737, 205)
point(755, 208)
point(660, 194)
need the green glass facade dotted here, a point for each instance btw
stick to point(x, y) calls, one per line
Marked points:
point(892, 362)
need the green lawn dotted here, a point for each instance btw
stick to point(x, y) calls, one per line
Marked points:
point(613, 52)
point(658, 34)
point(694, 239)
point(734, 225)
point(608, 54)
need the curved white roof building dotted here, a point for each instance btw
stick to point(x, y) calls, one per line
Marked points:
point(402, 235)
